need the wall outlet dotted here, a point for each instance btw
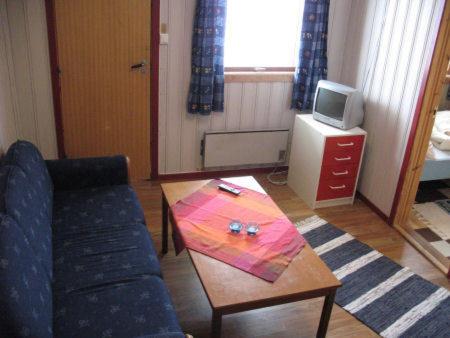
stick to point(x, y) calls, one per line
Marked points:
point(282, 155)
point(164, 39)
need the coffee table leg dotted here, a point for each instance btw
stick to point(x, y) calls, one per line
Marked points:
point(165, 224)
point(326, 314)
point(216, 324)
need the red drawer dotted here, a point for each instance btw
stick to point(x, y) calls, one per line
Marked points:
point(342, 156)
point(342, 143)
point(337, 188)
point(339, 171)
point(342, 150)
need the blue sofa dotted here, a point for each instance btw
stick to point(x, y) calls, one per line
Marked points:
point(76, 259)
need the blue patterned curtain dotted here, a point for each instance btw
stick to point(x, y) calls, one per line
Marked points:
point(207, 79)
point(312, 65)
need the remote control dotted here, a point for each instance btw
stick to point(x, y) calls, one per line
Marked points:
point(229, 189)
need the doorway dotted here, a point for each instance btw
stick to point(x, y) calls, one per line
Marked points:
point(103, 55)
point(422, 214)
point(429, 219)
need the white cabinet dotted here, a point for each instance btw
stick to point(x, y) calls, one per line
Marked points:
point(325, 162)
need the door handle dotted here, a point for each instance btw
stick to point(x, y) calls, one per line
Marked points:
point(141, 65)
point(340, 173)
point(346, 144)
point(338, 187)
point(343, 158)
point(138, 65)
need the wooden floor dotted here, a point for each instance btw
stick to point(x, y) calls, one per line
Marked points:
point(297, 319)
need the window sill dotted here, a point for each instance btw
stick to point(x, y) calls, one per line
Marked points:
point(252, 76)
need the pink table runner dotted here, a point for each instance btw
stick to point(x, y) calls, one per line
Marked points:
point(202, 225)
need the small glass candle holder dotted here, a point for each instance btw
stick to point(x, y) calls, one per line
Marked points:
point(252, 228)
point(235, 226)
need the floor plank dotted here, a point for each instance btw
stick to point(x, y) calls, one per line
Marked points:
point(299, 319)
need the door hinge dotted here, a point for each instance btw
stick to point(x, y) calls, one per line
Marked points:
point(202, 147)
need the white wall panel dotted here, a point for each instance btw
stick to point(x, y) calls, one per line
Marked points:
point(388, 44)
point(9, 126)
point(26, 106)
point(175, 90)
point(286, 118)
point(233, 105)
point(41, 76)
point(337, 34)
point(263, 92)
point(248, 106)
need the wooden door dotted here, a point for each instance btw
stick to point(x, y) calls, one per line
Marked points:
point(105, 102)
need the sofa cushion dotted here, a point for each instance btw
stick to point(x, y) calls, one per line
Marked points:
point(83, 173)
point(25, 293)
point(27, 157)
point(94, 255)
point(22, 202)
point(134, 308)
point(101, 205)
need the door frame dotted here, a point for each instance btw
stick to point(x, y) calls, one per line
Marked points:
point(422, 123)
point(154, 81)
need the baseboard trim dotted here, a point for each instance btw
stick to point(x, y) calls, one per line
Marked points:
point(373, 207)
point(218, 173)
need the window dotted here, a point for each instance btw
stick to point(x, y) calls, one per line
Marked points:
point(262, 34)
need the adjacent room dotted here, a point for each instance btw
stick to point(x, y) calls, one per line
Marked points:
point(224, 168)
point(429, 221)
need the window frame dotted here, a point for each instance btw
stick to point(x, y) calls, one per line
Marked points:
point(273, 70)
point(259, 74)
point(252, 74)
point(259, 69)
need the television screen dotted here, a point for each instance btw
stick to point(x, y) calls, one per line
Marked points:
point(330, 103)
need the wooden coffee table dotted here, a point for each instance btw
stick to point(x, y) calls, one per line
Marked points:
point(231, 290)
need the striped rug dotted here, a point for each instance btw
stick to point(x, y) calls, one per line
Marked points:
point(387, 297)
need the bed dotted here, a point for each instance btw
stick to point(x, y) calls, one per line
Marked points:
point(437, 162)
point(437, 168)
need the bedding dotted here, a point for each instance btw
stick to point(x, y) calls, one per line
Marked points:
point(435, 154)
point(437, 163)
point(431, 154)
point(440, 135)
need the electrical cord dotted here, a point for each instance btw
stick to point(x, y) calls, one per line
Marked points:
point(273, 173)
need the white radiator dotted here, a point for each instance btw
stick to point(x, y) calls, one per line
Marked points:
point(238, 148)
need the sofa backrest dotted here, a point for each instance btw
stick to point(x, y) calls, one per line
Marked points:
point(27, 157)
point(25, 287)
point(20, 200)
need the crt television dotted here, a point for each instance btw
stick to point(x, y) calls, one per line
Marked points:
point(338, 105)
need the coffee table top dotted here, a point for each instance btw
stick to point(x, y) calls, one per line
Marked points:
point(231, 290)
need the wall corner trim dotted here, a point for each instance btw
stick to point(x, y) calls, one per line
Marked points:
point(374, 208)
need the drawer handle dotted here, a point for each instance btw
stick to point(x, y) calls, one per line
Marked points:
point(341, 173)
point(343, 158)
point(338, 187)
point(345, 144)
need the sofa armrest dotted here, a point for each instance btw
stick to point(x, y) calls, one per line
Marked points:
point(73, 174)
